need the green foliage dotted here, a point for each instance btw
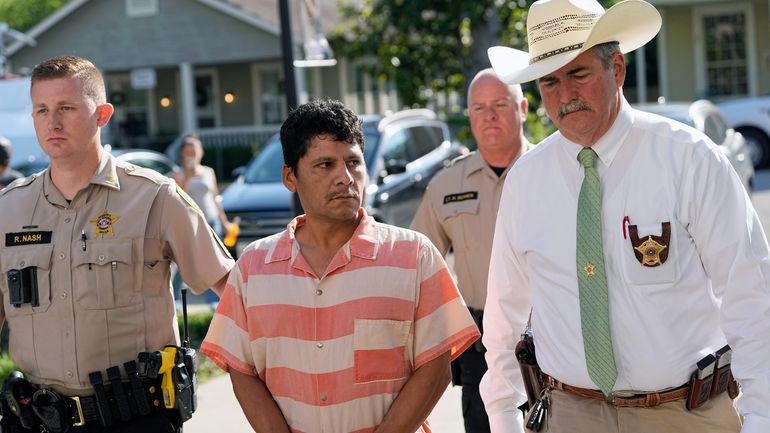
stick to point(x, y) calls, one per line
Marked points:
point(198, 324)
point(24, 14)
point(6, 366)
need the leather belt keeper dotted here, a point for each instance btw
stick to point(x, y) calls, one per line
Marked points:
point(639, 400)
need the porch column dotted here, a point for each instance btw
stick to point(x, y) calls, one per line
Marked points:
point(187, 97)
point(641, 76)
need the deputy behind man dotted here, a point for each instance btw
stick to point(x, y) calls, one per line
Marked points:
point(459, 208)
point(85, 264)
point(636, 244)
point(7, 174)
point(339, 323)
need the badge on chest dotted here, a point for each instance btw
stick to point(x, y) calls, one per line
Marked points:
point(651, 250)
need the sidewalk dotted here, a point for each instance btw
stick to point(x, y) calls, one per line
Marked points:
point(218, 410)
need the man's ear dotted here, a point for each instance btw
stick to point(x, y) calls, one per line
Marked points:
point(103, 114)
point(288, 178)
point(619, 66)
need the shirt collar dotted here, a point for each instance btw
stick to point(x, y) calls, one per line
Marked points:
point(610, 143)
point(476, 162)
point(106, 175)
point(364, 243)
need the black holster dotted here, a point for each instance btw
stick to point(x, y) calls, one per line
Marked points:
point(530, 370)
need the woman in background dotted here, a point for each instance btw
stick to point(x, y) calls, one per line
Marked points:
point(200, 183)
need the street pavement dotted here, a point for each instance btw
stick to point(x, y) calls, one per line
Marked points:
point(218, 410)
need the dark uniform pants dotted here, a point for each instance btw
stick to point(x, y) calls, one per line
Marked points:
point(155, 423)
point(467, 370)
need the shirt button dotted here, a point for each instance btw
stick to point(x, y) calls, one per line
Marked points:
point(63, 295)
point(320, 345)
point(323, 397)
point(21, 265)
point(61, 256)
point(69, 374)
point(101, 257)
point(319, 292)
point(68, 219)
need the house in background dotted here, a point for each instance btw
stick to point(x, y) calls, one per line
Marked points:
point(713, 49)
point(211, 66)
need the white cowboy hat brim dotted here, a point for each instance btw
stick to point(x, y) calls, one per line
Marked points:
point(632, 23)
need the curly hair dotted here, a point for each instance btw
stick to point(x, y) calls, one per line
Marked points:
point(323, 116)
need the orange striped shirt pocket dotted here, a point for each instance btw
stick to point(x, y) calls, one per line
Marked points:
point(379, 349)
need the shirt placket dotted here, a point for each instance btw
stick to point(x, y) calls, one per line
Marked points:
point(63, 244)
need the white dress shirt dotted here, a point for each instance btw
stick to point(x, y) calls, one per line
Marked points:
point(713, 288)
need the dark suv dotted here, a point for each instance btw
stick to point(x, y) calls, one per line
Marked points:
point(402, 151)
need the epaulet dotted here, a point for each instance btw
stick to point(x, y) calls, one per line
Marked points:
point(135, 170)
point(21, 182)
point(459, 158)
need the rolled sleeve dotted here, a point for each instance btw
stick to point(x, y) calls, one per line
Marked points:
point(505, 317)
point(228, 342)
point(442, 321)
point(734, 252)
point(202, 258)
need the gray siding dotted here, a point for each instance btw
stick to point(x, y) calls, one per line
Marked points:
point(182, 30)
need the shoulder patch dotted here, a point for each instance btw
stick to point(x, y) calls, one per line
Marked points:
point(20, 182)
point(460, 158)
point(151, 175)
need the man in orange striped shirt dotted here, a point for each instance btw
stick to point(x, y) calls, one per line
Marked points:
point(339, 323)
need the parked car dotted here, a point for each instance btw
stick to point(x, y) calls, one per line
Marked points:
point(141, 157)
point(402, 152)
point(751, 117)
point(707, 118)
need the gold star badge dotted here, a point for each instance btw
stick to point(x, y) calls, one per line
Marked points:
point(103, 223)
point(589, 269)
point(650, 252)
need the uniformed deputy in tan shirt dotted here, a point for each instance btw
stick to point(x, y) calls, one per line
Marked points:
point(100, 235)
point(459, 210)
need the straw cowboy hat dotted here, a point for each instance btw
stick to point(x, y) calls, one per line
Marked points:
point(560, 30)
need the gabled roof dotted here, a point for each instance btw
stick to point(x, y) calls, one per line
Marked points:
point(233, 8)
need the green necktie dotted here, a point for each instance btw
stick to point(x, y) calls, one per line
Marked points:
point(592, 279)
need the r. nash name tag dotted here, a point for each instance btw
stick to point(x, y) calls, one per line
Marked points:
point(27, 238)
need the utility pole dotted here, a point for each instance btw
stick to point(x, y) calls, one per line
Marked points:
point(6, 32)
point(287, 47)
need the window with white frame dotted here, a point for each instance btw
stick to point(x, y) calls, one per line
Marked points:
point(141, 8)
point(724, 40)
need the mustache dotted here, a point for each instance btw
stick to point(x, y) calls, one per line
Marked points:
point(342, 194)
point(572, 107)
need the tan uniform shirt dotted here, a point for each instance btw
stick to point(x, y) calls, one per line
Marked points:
point(459, 210)
point(102, 270)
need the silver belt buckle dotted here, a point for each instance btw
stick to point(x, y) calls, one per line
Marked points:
point(81, 422)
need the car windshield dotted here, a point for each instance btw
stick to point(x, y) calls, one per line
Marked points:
point(266, 167)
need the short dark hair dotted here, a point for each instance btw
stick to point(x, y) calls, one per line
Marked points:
point(73, 67)
point(5, 151)
point(323, 116)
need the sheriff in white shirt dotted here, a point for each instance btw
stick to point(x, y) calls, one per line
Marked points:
point(682, 264)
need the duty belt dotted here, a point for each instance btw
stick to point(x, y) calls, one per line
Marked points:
point(636, 400)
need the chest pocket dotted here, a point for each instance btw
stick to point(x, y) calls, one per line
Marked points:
point(379, 349)
point(38, 256)
point(657, 241)
point(103, 275)
point(459, 219)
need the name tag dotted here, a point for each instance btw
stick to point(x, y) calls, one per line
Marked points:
point(462, 196)
point(27, 238)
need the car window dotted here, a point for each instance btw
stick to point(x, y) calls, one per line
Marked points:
point(424, 140)
point(397, 147)
point(715, 128)
point(266, 167)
